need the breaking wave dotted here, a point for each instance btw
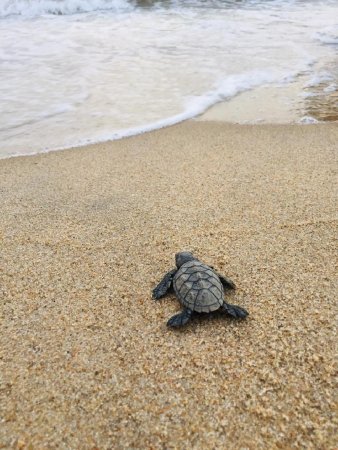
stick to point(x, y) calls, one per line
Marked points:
point(32, 8)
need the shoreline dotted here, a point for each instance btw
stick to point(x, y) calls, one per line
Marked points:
point(216, 114)
point(87, 359)
point(281, 105)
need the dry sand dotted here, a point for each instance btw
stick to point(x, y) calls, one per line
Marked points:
point(86, 359)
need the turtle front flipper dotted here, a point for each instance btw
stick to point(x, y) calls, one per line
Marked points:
point(234, 311)
point(178, 320)
point(164, 285)
point(227, 283)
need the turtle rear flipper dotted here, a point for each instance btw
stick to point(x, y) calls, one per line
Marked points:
point(178, 320)
point(234, 311)
point(164, 285)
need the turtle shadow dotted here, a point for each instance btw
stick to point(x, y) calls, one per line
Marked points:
point(203, 319)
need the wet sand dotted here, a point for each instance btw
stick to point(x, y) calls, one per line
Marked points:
point(86, 358)
point(287, 104)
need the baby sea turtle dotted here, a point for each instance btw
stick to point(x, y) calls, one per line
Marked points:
point(198, 287)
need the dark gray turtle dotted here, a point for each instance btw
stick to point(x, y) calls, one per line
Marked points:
point(198, 287)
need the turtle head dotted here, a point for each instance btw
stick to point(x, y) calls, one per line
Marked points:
point(183, 257)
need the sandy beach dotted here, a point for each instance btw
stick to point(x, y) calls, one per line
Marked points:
point(87, 361)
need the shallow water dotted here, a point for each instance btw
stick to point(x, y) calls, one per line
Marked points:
point(76, 71)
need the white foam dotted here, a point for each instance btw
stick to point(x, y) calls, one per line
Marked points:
point(52, 112)
point(74, 79)
point(319, 78)
point(32, 8)
point(331, 88)
point(194, 106)
point(308, 120)
point(330, 37)
point(308, 94)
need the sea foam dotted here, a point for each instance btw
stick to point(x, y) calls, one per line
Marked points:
point(33, 8)
point(329, 37)
point(194, 106)
point(80, 71)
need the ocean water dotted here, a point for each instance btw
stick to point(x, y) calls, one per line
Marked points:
point(80, 71)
